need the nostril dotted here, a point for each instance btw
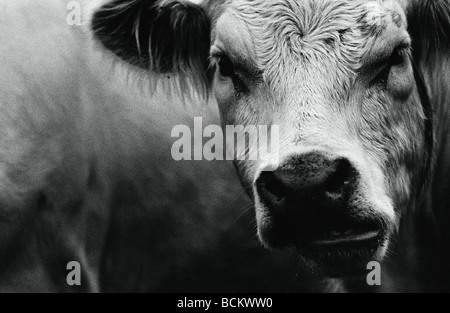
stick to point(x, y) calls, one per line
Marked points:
point(269, 183)
point(341, 178)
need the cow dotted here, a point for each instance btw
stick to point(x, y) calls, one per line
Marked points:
point(358, 89)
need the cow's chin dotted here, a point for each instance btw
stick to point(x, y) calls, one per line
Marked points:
point(342, 248)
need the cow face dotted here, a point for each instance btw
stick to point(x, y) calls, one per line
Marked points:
point(335, 76)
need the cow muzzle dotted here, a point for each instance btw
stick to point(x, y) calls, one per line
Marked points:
point(312, 202)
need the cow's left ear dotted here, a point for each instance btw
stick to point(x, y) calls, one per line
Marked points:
point(162, 36)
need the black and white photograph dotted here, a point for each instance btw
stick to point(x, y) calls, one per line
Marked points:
point(224, 152)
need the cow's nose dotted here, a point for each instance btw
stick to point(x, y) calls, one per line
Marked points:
point(308, 183)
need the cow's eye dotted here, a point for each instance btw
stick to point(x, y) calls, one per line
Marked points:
point(226, 67)
point(228, 71)
point(397, 58)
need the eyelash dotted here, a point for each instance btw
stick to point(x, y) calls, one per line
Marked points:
point(226, 69)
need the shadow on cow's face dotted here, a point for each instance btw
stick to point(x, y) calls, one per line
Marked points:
point(337, 78)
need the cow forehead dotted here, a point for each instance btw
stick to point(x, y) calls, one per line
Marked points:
point(318, 10)
point(289, 34)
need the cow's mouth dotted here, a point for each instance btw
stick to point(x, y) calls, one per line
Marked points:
point(344, 249)
point(351, 232)
point(337, 246)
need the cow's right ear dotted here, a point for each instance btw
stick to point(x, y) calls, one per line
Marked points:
point(163, 36)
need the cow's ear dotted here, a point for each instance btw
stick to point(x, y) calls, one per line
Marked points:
point(162, 36)
point(429, 26)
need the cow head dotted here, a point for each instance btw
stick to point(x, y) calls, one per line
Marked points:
point(338, 79)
